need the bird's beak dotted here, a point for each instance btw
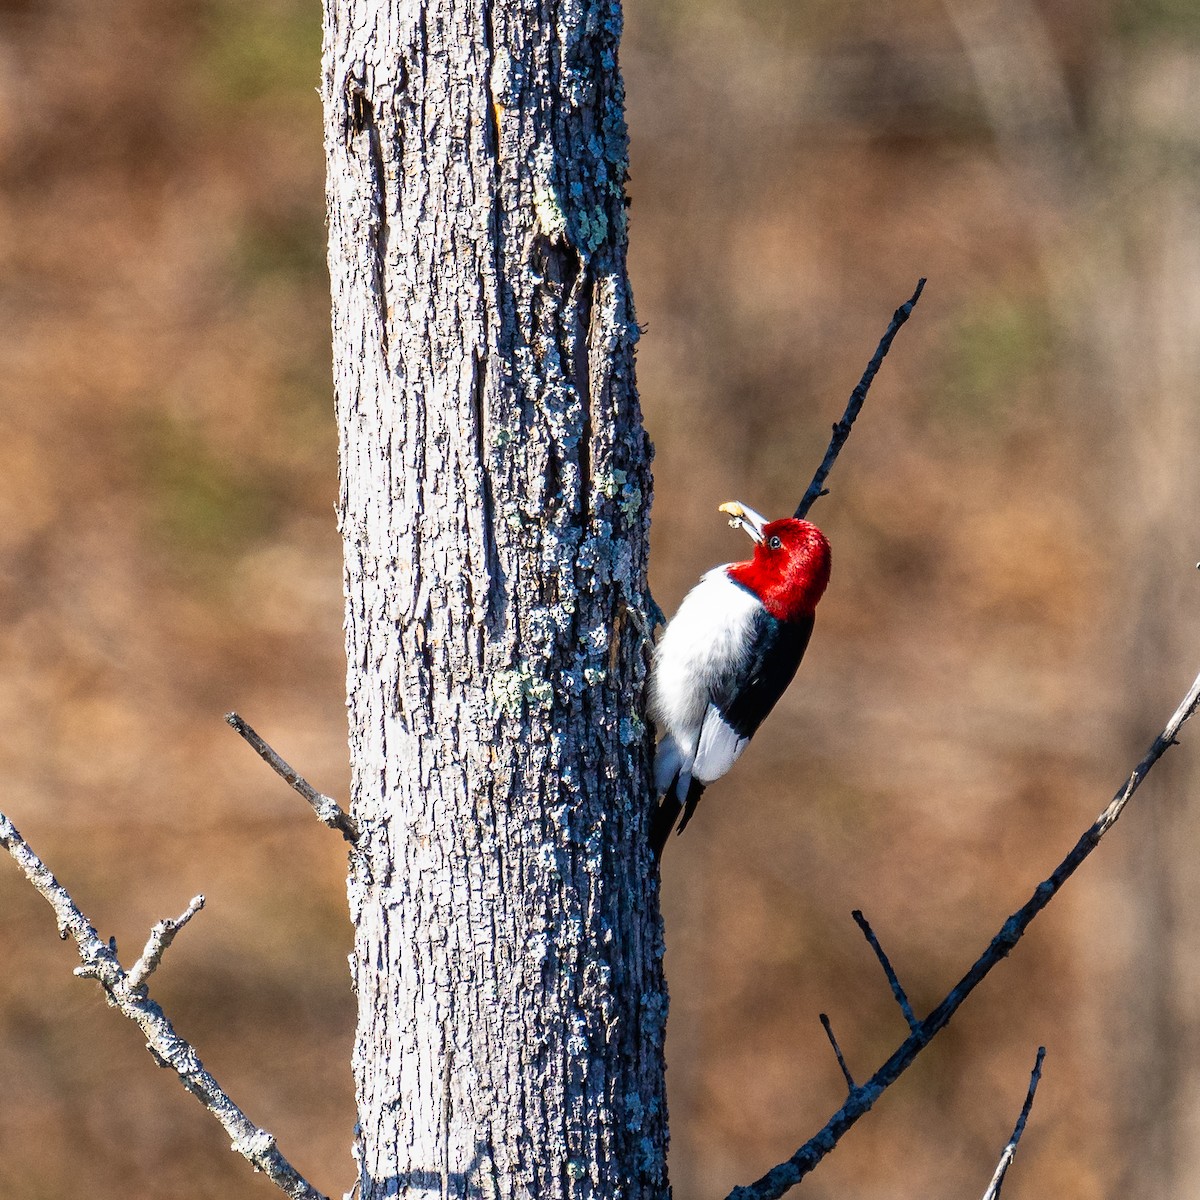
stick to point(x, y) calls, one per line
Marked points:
point(746, 518)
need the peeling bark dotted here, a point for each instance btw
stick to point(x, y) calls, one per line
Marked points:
point(494, 507)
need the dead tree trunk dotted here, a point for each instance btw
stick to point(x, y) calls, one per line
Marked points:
point(494, 508)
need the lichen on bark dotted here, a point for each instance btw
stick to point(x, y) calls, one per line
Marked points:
point(494, 511)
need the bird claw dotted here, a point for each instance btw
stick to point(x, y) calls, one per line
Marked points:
point(646, 628)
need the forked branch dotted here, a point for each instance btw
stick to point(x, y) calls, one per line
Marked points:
point(841, 1058)
point(885, 963)
point(841, 431)
point(159, 942)
point(127, 993)
point(329, 811)
point(1010, 1151)
point(861, 1099)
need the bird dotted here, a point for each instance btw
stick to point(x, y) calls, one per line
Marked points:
point(727, 656)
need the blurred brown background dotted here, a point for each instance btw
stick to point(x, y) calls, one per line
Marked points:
point(1012, 614)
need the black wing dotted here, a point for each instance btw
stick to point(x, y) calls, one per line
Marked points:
point(740, 701)
point(744, 699)
point(738, 704)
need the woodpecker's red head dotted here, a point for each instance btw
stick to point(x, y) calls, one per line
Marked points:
point(790, 567)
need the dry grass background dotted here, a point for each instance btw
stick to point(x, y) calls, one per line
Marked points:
point(1009, 620)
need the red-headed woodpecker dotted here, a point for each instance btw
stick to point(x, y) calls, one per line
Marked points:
point(727, 656)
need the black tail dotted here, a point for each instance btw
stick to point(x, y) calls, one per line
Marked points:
point(667, 814)
point(662, 822)
point(695, 791)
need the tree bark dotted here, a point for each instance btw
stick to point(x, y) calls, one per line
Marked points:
point(494, 510)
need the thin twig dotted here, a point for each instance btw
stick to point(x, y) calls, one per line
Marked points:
point(850, 1084)
point(785, 1176)
point(1010, 1151)
point(328, 811)
point(161, 937)
point(841, 431)
point(166, 1047)
point(893, 981)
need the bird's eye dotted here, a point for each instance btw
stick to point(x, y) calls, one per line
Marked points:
point(775, 543)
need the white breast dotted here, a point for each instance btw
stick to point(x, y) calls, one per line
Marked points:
point(708, 637)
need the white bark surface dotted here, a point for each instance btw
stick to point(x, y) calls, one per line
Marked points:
point(495, 498)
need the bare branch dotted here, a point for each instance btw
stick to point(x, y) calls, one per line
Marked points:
point(897, 990)
point(166, 1047)
point(1010, 1151)
point(328, 811)
point(785, 1176)
point(841, 431)
point(850, 1084)
point(161, 937)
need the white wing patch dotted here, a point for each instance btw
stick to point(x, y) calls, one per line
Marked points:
point(718, 749)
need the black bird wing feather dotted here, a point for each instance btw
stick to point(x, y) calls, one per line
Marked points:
point(739, 702)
